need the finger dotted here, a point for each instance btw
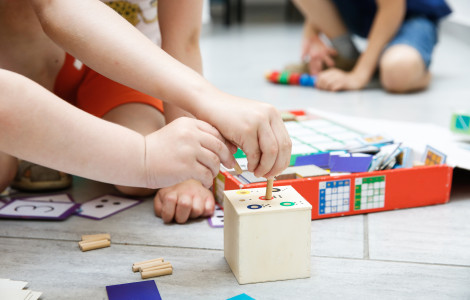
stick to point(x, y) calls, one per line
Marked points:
point(197, 207)
point(209, 206)
point(219, 149)
point(209, 160)
point(315, 67)
point(269, 150)
point(203, 175)
point(183, 208)
point(285, 149)
point(332, 51)
point(252, 150)
point(329, 61)
point(169, 206)
point(157, 205)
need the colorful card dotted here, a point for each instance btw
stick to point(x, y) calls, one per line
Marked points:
point(433, 157)
point(217, 220)
point(142, 290)
point(241, 297)
point(105, 206)
point(28, 209)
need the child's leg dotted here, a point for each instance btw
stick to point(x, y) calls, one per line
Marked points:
point(187, 200)
point(402, 70)
point(324, 16)
point(142, 118)
point(328, 17)
point(405, 62)
point(8, 168)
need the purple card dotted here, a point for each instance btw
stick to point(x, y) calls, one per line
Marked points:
point(142, 290)
point(350, 162)
point(217, 220)
point(105, 206)
point(29, 209)
point(320, 160)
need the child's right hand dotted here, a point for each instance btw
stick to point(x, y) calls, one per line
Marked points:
point(185, 149)
point(318, 54)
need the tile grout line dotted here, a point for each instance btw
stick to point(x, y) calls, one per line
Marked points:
point(211, 249)
point(366, 237)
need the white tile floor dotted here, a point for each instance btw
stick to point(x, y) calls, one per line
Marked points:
point(419, 253)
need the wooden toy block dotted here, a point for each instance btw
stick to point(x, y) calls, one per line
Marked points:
point(267, 240)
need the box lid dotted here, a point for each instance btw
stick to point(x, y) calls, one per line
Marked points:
point(251, 201)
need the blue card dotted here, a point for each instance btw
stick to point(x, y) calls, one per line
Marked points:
point(241, 297)
point(320, 160)
point(142, 290)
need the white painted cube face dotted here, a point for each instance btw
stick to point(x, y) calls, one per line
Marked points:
point(267, 240)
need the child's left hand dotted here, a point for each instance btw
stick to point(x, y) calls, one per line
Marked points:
point(337, 80)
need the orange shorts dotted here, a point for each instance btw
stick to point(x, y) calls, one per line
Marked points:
point(94, 93)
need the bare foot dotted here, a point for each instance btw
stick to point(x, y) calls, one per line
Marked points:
point(184, 201)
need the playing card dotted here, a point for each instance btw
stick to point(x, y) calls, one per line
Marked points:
point(28, 209)
point(217, 220)
point(50, 198)
point(142, 290)
point(105, 206)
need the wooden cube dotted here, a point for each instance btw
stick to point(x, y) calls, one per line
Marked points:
point(267, 240)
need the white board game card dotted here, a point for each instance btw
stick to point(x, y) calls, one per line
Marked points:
point(105, 206)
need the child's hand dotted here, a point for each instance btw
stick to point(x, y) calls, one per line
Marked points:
point(184, 201)
point(256, 128)
point(317, 54)
point(337, 80)
point(185, 149)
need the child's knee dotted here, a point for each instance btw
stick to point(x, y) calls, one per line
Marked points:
point(135, 192)
point(8, 169)
point(400, 66)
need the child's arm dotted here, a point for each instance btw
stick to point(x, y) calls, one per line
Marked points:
point(38, 126)
point(387, 21)
point(180, 26)
point(103, 40)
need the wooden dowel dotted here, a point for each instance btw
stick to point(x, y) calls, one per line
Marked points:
point(162, 266)
point(156, 273)
point(269, 189)
point(96, 237)
point(91, 245)
point(151, 263)
point(237, 168)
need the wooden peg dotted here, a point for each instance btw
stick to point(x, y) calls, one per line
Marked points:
point(269, 189)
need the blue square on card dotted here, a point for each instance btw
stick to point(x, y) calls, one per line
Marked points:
point(142, 290)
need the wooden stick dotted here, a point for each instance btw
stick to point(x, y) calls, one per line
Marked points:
point(91, 245)
point(162, 266)
point(96, 237)
point(156, 273)
point(269, 189)
point(237, 168)
point(150, 263)
point(146, 266)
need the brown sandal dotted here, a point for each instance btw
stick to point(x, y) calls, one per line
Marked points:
point(32, 177)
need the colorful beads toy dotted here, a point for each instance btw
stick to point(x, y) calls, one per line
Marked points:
point(291, 78)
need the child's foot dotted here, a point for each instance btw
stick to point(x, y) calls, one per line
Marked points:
point(32, 177)
point(184, 201)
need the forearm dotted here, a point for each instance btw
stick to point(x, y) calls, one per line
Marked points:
point(103, 40)
point(386, 23)
point(180, 26)
point(40, 127)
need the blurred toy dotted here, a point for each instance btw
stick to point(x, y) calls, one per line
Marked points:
point(291, 78)
point(460, 123)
